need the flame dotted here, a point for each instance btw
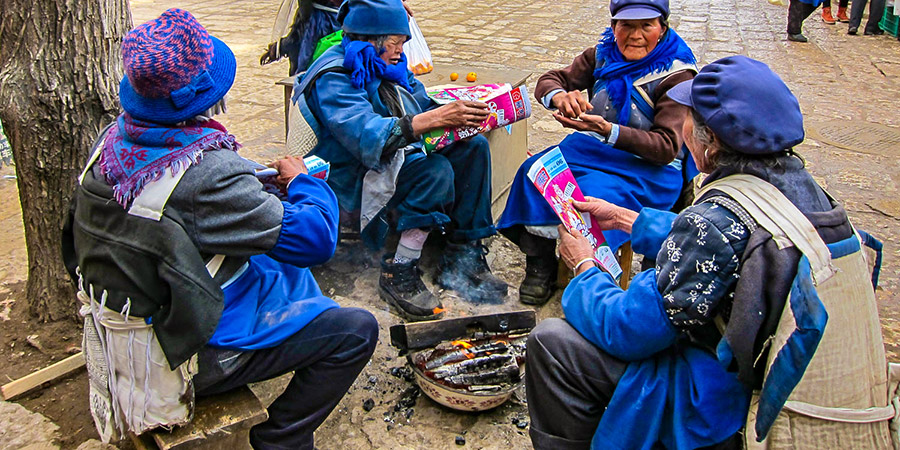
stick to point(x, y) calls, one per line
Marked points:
point(437, 310)
point(462, 344)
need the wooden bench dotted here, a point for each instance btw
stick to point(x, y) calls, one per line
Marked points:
point(508, 149)
point(220, 422)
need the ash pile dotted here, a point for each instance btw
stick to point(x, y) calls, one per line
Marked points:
point(487, 362)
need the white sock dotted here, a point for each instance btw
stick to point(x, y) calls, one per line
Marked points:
point(410, 246)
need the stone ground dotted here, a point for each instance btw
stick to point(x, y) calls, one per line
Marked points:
point(844, 83)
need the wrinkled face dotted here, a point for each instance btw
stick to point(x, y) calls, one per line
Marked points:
point(393, 47)
point(700, 152)
point(637, 38)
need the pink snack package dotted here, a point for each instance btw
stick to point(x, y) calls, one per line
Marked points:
point(553, 179)
point(507, 105)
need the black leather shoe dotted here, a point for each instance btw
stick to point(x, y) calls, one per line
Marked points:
point(540, 280)
point(401, 286)
point(463, 268)
point(877, 32)
point(852, 31)
point(799, 37)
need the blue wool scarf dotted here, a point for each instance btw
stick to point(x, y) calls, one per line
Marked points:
point(365, 64)
point(617, 74)
point(137, 152)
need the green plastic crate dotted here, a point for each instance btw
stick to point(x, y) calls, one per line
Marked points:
point(889, 21)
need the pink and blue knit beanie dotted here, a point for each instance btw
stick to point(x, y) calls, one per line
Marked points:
point(174, 70)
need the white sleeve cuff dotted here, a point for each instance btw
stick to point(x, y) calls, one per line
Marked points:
point(613, 135)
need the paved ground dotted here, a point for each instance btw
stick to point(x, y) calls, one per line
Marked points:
point(841, 81)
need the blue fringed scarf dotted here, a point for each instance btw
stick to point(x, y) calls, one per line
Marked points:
point(618, 74)
point(136, 152)
point(361, 58)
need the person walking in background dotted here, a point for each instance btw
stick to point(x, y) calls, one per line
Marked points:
point(841, 14)
point(876, 10)
point(798, 11)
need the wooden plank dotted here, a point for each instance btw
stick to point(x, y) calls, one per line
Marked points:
point(33, 380)
point(215, 418)
point(416, 335)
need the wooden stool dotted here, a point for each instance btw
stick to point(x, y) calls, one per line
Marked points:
point(624, 257)
point(220, 422)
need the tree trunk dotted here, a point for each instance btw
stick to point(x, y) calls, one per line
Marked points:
point(60, 67)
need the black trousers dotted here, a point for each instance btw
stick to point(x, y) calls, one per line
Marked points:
point(876, 11)
point(325, 356)
point(798, 12)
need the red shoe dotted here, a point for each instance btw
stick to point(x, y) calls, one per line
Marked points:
point(842, 14)
point(826, 16)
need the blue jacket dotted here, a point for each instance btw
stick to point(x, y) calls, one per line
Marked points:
point(356, 124)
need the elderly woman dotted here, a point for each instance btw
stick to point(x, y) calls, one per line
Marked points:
point(373, 112)
point(672, 360)
point(629, 146)
point(165, 193)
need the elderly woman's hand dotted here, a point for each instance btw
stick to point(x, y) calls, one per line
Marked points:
point(461, 113)
point(288, 168)
point(571, 104)
point(573, 249)
point(586, 122)
point(607, 215)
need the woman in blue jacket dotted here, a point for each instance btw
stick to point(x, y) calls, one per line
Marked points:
point(672, 359)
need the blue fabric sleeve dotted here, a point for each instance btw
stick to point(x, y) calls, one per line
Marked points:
point(309, 227)
point(650, 230)
point(548, 97)
point(630, 325)
point(348, 114)
point(420, 94)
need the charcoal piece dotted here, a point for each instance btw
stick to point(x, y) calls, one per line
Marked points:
point(403, 372)
point(368, 404)
point(373, 379)
point(522, 424)
point(506, 374)
point(484, 388)
point(460, 440)
point(409, 413)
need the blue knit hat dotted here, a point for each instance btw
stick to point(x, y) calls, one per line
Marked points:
point(174, 70)
point(638, 9)
point(374, 17)
point(745, 104)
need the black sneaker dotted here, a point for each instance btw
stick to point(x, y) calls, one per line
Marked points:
point(463, 268)
point(799, 37)
point(401, 286)
point(877, 32)
point(540, 280)
point(852, 30)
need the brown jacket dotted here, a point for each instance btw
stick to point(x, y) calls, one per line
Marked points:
point(662, 142)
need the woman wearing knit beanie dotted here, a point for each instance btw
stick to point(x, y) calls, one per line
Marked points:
point(169, 193)
point(373, 112)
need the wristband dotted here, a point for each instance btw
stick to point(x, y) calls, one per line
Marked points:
point(575, 269)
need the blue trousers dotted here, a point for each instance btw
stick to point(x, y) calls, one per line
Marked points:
point(451, 186)
point(325, 356)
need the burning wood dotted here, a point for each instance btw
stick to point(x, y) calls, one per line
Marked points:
point(473, 365)
point(488, 363)
point(467, 353)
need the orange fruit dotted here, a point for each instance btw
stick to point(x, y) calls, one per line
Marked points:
point(454, 76)
point(471, 76)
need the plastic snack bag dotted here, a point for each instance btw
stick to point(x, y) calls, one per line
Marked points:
point(418, 56)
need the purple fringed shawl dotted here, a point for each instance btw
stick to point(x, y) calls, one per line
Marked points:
point(145, 150)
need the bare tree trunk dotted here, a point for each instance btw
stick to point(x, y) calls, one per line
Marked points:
point(60, 66)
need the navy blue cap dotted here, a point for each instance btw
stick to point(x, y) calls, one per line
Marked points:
point(638, 9)
point(374, 17)
point(745, 104)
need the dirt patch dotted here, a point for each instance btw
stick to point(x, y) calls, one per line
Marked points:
point(64, 402)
